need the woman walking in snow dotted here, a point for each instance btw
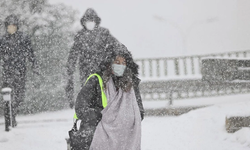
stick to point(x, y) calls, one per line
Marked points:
point(115, 125)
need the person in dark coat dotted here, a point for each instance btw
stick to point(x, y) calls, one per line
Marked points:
point(15, 50)
point(89, 108)
point(89, 47)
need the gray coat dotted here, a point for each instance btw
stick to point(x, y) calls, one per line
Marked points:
point(89, 47)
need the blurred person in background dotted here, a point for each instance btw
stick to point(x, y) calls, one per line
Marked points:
point(89, 47)
point(15, 50)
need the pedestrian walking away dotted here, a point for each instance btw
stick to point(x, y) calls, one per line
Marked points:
point(116, 123)
point(89, 47)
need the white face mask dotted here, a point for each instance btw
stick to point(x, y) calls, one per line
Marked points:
point(90, 25)
point(118, 69)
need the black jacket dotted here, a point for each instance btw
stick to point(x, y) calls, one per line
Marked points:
point(89, 47)
point(15, 50)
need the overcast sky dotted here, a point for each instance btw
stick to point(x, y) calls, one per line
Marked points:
point(161, 28)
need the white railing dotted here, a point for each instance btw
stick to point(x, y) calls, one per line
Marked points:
point(179, 67)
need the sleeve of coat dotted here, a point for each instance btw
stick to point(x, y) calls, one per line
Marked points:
point(138, 96)
point(73, 55)
point(70, 66)
point(85, 99)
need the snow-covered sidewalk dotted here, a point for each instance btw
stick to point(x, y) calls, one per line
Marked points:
point(201, 129)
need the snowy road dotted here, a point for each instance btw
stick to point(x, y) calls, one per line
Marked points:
point(201, 129)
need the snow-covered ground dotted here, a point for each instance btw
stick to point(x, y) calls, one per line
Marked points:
point(201, 129)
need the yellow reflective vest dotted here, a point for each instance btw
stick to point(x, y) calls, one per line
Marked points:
point(104, 98)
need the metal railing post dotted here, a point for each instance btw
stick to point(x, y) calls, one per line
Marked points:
point(150, 68)
point(176, 62)
point(185, 65)
point(170, 98)
point(192, 65)
point(158, 67)
point(166, 67)
point(6, 92)
point(143, 68)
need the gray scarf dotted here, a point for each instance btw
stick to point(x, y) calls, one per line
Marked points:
point(120, 127)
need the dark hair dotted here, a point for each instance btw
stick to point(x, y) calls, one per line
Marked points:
point(120, 50)
point(11, 20)
point(126, 81)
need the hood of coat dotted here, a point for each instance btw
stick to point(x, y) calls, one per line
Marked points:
point(11, 20)
point(90, 15)
point(131, 71)
point(124, 52)
point(120, 50)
